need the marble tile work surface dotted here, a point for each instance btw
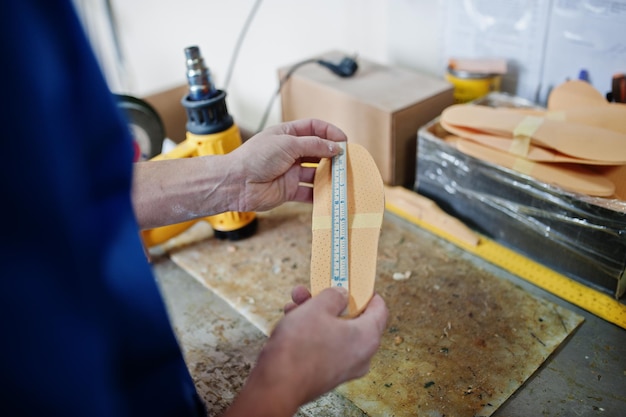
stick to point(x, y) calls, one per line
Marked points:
point(459, 342)
point(221, 346)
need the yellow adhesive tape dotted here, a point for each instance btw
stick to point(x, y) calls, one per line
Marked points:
point(523, 165)
point(523, 133)
point(520, 145)
point(356, 221)
point(556, 115)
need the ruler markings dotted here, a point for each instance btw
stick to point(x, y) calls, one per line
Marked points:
point(339, 253)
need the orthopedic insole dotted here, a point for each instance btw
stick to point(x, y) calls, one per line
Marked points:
point(530, 151)
point(570, 177)
point(366, 206)
point(574, 139)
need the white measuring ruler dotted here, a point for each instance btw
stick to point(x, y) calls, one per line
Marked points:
point(339, 254)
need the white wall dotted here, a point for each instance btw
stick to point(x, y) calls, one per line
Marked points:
point(415, 35)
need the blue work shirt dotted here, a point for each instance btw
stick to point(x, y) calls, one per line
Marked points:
point(84, 329)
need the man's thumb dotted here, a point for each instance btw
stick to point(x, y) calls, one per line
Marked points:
point(333, 300)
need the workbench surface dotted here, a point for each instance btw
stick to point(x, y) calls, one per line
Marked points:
point(586, 376)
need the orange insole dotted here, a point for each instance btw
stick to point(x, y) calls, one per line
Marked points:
point(366, 206)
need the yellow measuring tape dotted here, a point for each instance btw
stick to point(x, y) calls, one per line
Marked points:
point(587, 298)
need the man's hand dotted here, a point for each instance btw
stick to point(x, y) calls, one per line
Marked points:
point(311, 351)
point(261, 174)
point(271, 162)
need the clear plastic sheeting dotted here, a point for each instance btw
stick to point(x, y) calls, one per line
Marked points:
point(579, 236)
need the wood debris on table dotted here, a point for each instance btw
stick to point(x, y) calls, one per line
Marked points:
point(460, 339)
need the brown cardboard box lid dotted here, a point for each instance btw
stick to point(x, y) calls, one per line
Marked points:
point(385, 87)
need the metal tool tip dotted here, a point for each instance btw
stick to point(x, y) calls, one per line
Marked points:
point(192, 52)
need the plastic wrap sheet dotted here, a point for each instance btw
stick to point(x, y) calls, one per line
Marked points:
point(579, 236)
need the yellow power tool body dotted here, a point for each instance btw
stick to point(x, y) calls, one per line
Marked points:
point(210, 131)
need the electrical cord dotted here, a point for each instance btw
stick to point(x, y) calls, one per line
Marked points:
point(233, 60)
point(242, 35)
point(282, 82)
point(346, 68)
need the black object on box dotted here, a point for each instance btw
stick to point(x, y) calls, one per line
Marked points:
point(577, 236)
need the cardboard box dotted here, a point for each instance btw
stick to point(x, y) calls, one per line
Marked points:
point(380, 107)
point(167, 104)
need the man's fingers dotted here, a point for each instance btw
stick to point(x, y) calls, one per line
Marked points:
point(299, 294)
point(333, 300)
point(289, 307)
point(314, 127)
point(376, 312)
point(312, 148)
point(303, 194)
point(307, 175)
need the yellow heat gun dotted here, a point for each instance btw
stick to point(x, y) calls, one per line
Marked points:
point(210, 131)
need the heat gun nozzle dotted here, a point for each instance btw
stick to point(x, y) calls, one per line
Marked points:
point(198, 75)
